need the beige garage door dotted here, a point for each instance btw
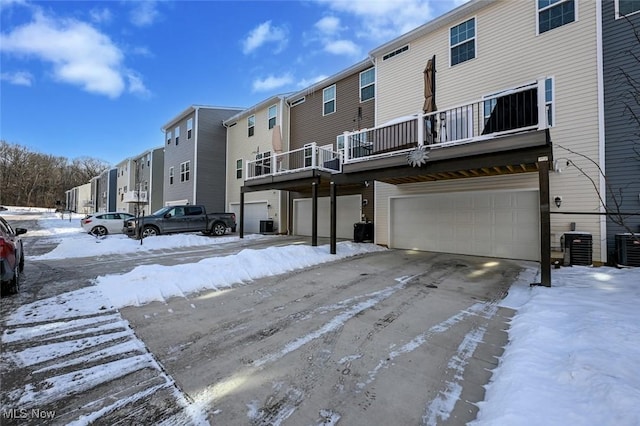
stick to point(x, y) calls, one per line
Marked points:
point(348, 212)
point(254, 212)
point(495, 224)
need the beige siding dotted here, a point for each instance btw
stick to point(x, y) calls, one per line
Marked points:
point(241, 146)
point(510, 53)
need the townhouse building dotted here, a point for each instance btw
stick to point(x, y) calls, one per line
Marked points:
point(125, 184)
point(256, 135)
point(621, 76)
point(104, 190)
point(78, 199)
point(148, 182)
point(195, 157)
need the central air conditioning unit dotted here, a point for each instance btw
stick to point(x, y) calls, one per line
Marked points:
point(577, 247)
point(628, 249)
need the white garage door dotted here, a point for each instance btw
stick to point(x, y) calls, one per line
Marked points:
point(254, 212)
point(494, 224)
point(348, 212)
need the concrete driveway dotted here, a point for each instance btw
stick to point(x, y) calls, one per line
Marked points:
point(396, 337)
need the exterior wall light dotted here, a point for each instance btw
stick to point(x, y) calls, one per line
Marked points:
point(558, 201)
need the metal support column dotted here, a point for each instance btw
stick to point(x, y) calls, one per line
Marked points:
point(332, 195)
point(241, 218)
point(314, 214)
point(545, 222)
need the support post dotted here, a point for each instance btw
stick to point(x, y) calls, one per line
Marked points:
point(332, 194)
point(241, 218)
point(314, 214)
point(545, 222)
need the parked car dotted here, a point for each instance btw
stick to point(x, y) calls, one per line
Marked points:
point(11, 257)
point(185, 218)
point(101, 224)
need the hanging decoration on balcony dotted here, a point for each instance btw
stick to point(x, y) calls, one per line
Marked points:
point(418, 156)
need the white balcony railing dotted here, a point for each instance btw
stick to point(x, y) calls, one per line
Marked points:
point(135, 197)
point(518, 110)
point(306, 158)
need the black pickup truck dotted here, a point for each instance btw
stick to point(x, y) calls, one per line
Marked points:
point(184, 218)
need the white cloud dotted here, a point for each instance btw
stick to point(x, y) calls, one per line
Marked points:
point(342, 47)
point(383, 20)
point(79, 54)
point(136, 85)
point(328, 25)
point(271, 83)
point(100, 16)
point(262, 34)
point(144, 13)
point(311, 81)
point(19, 78)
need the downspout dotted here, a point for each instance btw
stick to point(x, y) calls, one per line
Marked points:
point(195, 156)
point(281, 221)
point(226, 159)
point(601, 132)
point(150, 189)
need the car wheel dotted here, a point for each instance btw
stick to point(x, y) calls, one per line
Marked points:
point(99, 231)
point(149, 231)
point(218, 229)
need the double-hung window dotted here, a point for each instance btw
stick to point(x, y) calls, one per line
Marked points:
point(184, 171)
point(168, 138)
point(251, 125)
point(555, 13)
point(273, 116)
point(626, 7)
point(239, 169)
point(329, 100)
point(177, 133)
point(548, 100)
point(462, 41)
point(170, 175)
point(189, 128)
point(367, 84)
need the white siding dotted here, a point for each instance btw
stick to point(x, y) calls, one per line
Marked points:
point(508, 54)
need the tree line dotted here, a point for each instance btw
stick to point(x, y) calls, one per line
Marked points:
point(33, 179)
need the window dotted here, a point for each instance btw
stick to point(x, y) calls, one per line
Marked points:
point(462, 42)
point(329, 100)
point(168, 138)
point(548, 100)
point(555, 13)
point(170, 175)
point(251, 124)
point(184, 171)
point(239, 169)
point(308, 155)
point(177, 133)
point(263, 163)
point(273, 115)
point(626, 7)
point(367, 84)
point(189, 127)
point(148, 159)
point(395, 52)
point(340, 142)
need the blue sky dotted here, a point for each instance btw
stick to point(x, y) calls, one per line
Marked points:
point(100, 78)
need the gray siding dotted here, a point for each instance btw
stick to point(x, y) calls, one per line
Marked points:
point(622, 131)
point(157, 182)
point(212, 156)
point(174, 155)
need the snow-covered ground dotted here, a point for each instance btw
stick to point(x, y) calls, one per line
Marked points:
point(574, 350)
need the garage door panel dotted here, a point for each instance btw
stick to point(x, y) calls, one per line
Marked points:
point(348, 212)
point(253, 214)
point(495, 224)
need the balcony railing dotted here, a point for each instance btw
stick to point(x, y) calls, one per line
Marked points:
point(517, 110)
point(135, 197)
point(307, 158)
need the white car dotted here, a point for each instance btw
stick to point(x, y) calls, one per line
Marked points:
point(101, 224)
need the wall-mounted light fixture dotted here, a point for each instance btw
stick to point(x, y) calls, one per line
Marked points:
point(558, 201)
point(365, 202)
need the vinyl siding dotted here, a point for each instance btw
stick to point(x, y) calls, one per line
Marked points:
point(621, 131)
point(174, 156)
point(241, 146)
point(509, 54)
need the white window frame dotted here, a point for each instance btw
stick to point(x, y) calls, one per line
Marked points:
point(272, 113)
point(251, 125)
point(308, 154)
point(618, 15)
point(169, 136)
point(326, 100)
point(373, 83)
point(239, 168)
point(176, 133)
point(556, 4)
point(185, 171)
point(549, 104)
point(473, 39)
point(189, 128)
point(170, 175)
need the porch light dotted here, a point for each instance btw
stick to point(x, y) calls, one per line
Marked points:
point(558, 201)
